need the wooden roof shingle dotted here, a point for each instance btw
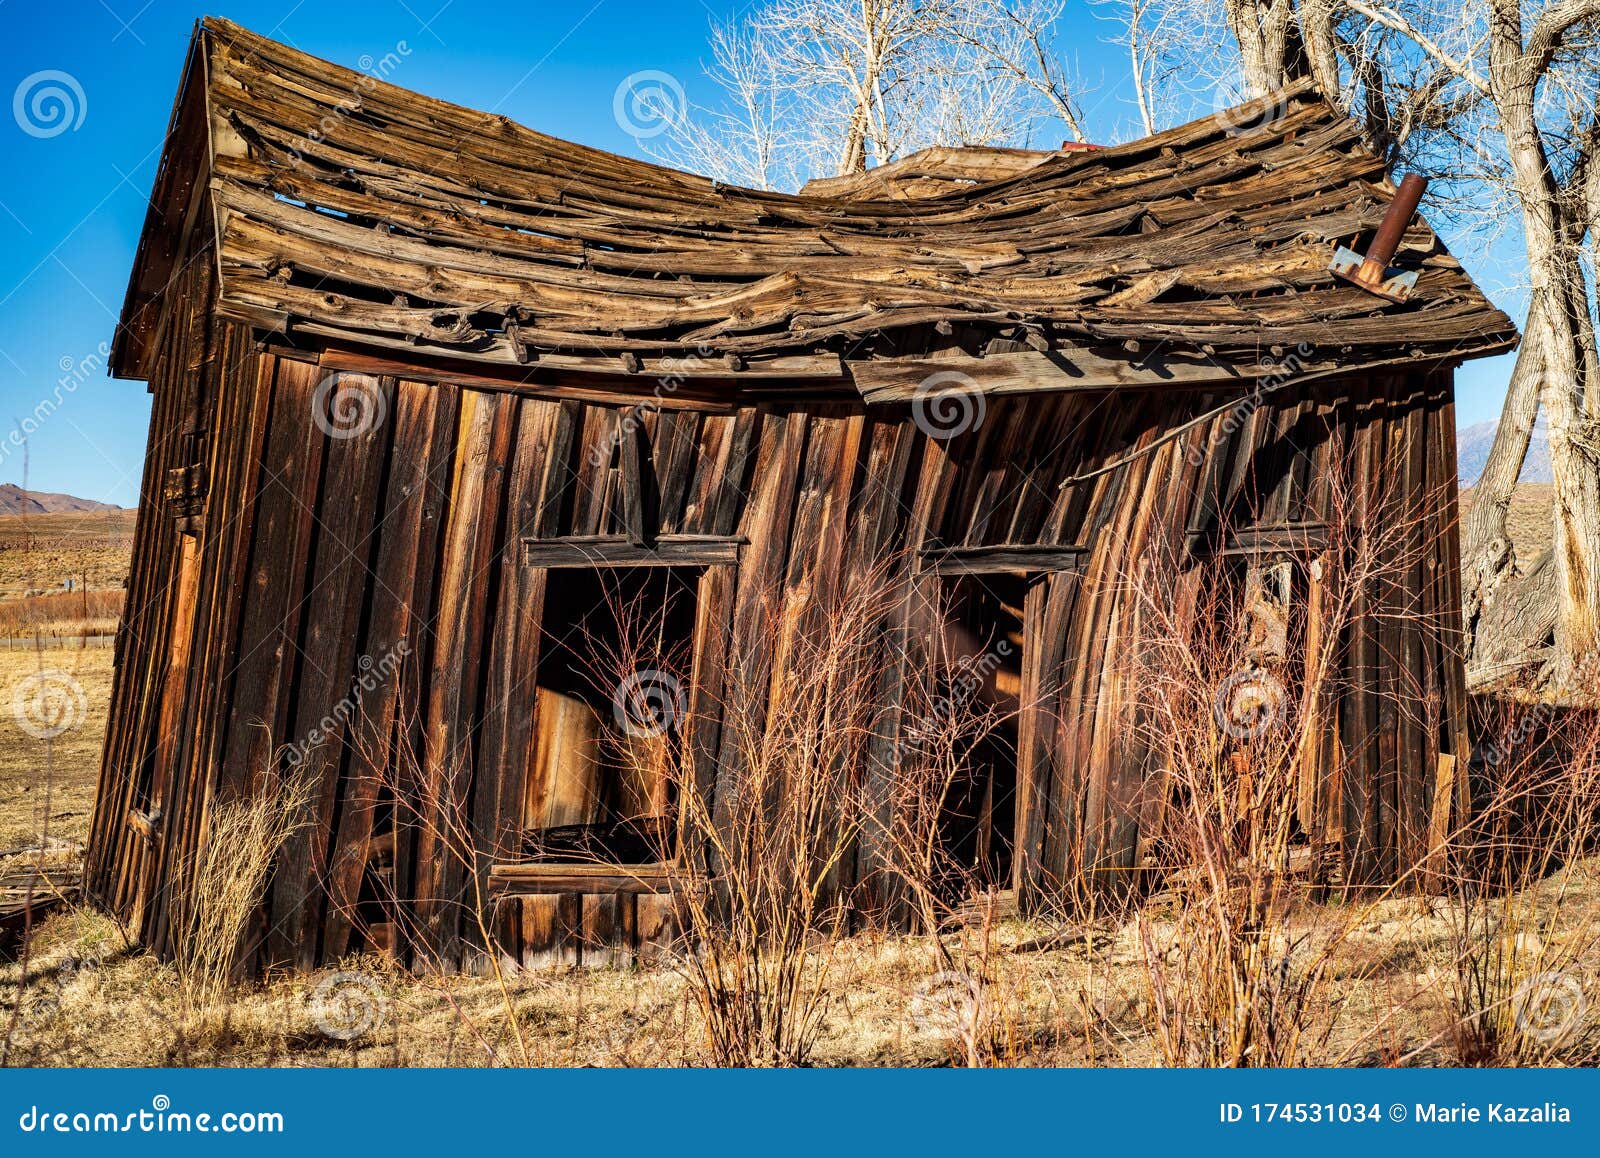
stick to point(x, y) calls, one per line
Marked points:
point(353, 213)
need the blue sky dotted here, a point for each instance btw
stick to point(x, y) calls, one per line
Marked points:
point(72, 204)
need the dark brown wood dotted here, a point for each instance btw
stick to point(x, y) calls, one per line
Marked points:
point(1003, 557)
point(537, 879)
point(621, 551)
point(653, 371)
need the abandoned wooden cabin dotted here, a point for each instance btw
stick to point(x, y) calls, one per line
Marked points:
point(424, 380)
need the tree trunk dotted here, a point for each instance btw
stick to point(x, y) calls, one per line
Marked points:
point(1487, 555)
point(1261, 29)
point(1556, 328)
point(853, 158)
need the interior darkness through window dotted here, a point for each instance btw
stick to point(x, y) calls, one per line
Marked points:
point(612, 690)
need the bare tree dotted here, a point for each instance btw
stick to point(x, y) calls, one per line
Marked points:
point(1499, 99)
point(817, 88)
point(1533, 67)
point(1228, 51)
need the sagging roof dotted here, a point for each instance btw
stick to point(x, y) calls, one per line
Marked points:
point(355, 214)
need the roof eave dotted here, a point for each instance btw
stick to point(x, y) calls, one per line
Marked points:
point(180, 178)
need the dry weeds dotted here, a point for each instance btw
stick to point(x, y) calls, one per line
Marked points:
point(92, 1000)
point(61, 615)
point(1402, 979)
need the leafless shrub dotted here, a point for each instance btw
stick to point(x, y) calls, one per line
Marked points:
point(1516, 987)
point(758, 877)
point(226, 884)
point(1235, 685)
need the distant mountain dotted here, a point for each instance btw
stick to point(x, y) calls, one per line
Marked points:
point(1472, 453)
point(16, 501)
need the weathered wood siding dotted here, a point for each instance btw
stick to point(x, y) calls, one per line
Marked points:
point(321, 559)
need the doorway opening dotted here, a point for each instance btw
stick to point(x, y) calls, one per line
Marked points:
point(980, 680)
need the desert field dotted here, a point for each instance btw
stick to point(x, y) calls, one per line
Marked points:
point(39, 552)
point(48, 790)
point(1381, 979)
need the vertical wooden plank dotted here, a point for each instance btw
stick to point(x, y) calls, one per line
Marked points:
point(258, 721)
point(455, 669)
point(657, 932)
point(325, 698)
point(1358, 712)
point(765, 525)
point(604, 932)
point(391, 622)
point(508, 701)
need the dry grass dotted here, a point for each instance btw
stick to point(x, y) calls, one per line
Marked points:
point(38, 553)
point(62, 615)
point(76, 755)
point(225, 886)
point(92, 1001)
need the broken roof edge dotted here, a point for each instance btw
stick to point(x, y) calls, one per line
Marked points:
point(914, 380)
point(174, 201)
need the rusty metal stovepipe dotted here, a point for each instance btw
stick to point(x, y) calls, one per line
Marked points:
point(1372, 272)
point(1393, 227)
